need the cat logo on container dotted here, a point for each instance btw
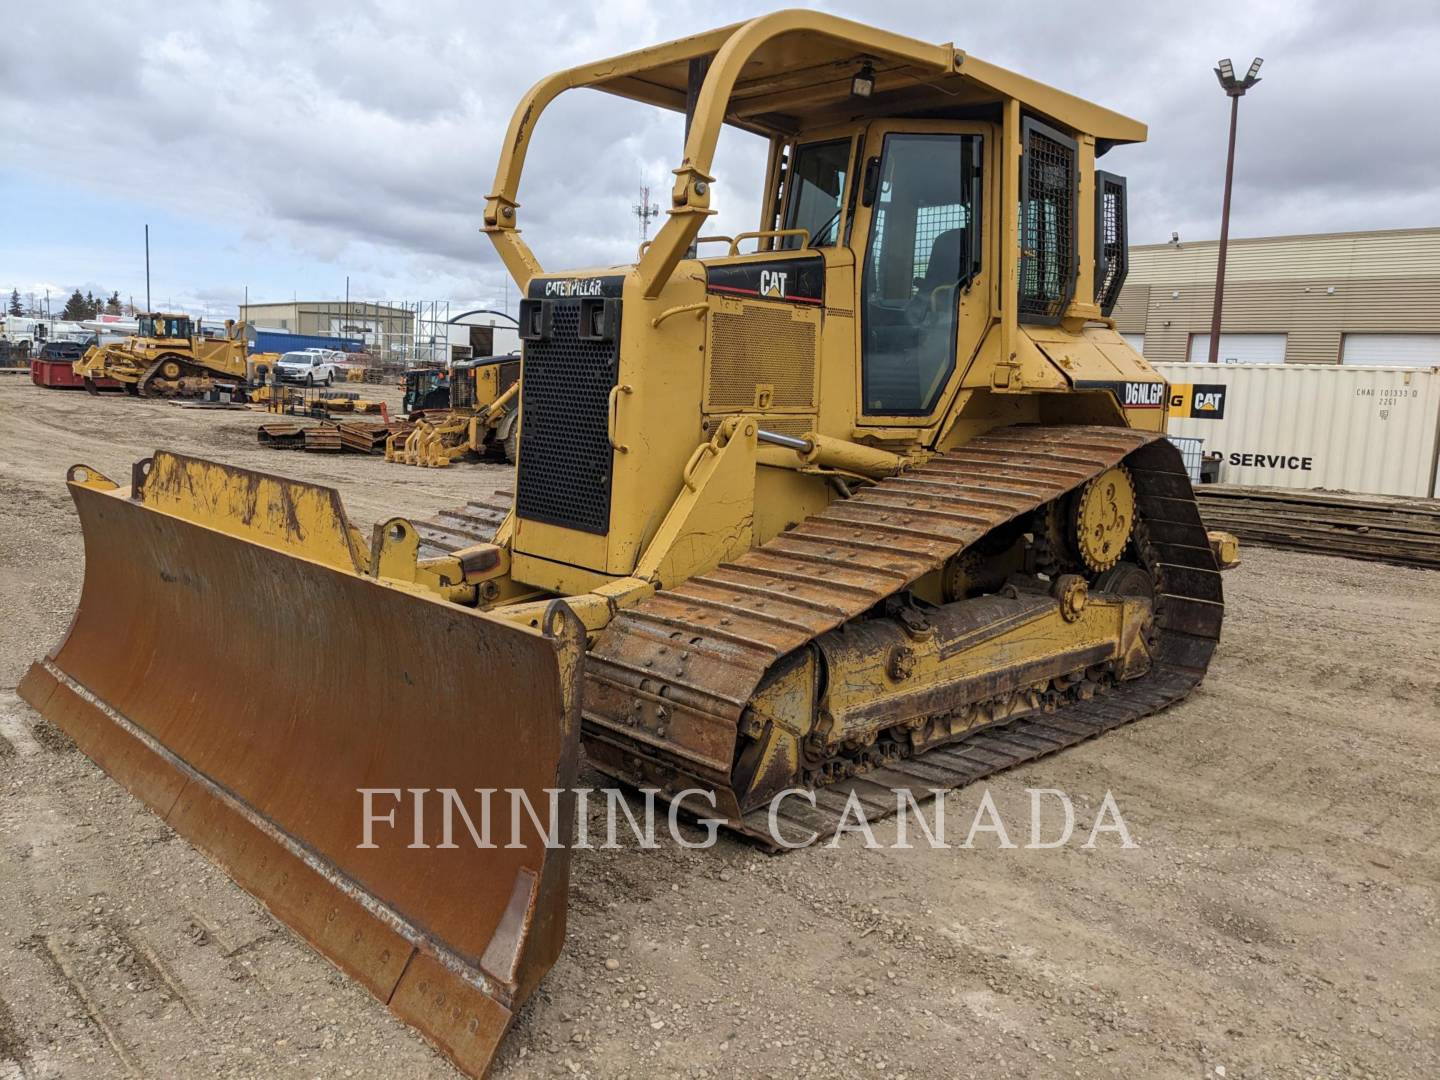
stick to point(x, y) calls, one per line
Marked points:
point(1198, 401)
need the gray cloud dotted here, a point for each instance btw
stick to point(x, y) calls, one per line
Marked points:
point(364, 135)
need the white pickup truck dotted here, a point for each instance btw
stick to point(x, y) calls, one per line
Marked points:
point(313, 367)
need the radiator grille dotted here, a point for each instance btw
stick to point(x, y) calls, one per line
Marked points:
point(761, 345)
point(563, 477)
point(1112, 239)
point(1047, 224)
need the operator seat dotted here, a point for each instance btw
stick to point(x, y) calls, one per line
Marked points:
point(943, 269)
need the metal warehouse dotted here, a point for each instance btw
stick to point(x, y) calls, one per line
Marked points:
point(1329, 298)
point(367, 321)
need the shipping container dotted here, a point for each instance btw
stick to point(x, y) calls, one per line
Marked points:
point(263, 340)
point(1368, 429)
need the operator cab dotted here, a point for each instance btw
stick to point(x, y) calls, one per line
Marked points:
point(425, 388)
point(937, 255)
point(164, 326)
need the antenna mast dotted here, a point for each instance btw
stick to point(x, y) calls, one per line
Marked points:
point(645, 211)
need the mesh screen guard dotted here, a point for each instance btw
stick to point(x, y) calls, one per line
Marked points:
point(1048, 193)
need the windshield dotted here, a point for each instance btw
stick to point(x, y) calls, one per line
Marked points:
point(296, 358)
point(817, 183)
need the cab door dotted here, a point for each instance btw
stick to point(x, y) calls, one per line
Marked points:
point(924, 267)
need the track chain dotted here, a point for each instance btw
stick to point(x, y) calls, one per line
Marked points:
point(669, 680)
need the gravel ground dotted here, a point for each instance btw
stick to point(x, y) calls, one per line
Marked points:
point(1278, 917)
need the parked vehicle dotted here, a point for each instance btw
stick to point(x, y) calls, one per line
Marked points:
point(26, 333)
point(313, 367)
point(332, 356)
point(62, 350)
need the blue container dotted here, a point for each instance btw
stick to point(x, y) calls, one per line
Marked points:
point(282, 341)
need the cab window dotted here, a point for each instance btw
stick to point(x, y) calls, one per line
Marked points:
point(923, 249)
point(817, 185)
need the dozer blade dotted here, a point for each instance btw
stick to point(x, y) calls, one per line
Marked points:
point(232, 664)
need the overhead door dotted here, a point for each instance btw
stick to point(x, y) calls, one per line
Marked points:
point(1240, 348)
point(1136, 342)
point(1400, 350)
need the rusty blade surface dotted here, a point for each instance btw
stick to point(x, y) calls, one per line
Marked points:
point(247, 695)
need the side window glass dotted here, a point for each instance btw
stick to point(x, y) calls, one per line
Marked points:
point(817, 183)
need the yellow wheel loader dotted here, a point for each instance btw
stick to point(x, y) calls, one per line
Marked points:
point(168, 357)
point(872, 498)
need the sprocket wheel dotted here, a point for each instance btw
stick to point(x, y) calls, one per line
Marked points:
point(1102, 518)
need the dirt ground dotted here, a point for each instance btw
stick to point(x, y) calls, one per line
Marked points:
point(1278, 917)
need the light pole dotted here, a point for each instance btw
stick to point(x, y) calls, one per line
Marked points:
point(1235, 88)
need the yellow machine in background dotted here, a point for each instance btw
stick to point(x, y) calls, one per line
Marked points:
point(169, 356)
point(259, 366)
point(483, 412)
point(870, 498)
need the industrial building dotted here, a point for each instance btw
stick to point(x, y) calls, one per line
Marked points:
point(336, 318)
point(1329, 298)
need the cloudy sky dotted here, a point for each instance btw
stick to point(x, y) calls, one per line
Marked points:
point(284, 146)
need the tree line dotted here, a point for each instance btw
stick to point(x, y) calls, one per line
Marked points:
point(80, 306)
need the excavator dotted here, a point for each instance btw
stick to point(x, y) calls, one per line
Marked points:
point(871, 499)
point(169, 356)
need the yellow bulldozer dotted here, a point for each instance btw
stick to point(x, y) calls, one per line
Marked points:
point(169, 356)
point(870, 499)
point(479, 413)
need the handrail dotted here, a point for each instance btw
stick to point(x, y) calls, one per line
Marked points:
point(612, 417)
point(761, 234)
point(679, 309)
point(716, 239)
